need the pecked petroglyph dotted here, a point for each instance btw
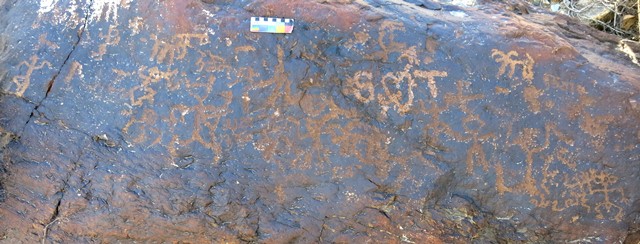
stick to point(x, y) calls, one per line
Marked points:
point(396, 90)
point(375, 104)
point(22, 82)
point(358, 86)
point(75, 70)
point(43, 41)
point(531, 96)
point(175, 48)
point(583, 187)
point(392, 95)
point(209, 62)
point(135, 25)
point(111, 38)
point(386, 39)
point(510, 60)
point(430, 76)
point(397, 87)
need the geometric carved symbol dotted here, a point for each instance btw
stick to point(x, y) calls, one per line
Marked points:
point(357, 85)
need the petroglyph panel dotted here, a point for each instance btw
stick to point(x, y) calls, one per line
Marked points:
point(395, 130)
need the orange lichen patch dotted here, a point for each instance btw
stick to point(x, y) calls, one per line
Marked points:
point(531, 95)
point(327, 14)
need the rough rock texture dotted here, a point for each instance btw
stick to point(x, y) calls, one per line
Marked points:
point(375, 121)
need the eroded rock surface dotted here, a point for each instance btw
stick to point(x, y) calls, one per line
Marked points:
point(379, 121)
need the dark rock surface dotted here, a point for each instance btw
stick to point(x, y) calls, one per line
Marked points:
point(379, 121)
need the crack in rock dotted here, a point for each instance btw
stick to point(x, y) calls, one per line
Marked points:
point(64, 63)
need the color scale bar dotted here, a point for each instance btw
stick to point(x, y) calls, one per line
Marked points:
point(271, 25)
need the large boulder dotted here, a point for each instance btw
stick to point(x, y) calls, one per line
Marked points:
point(374, 121)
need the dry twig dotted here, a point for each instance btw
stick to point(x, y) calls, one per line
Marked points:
point(46, 228)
